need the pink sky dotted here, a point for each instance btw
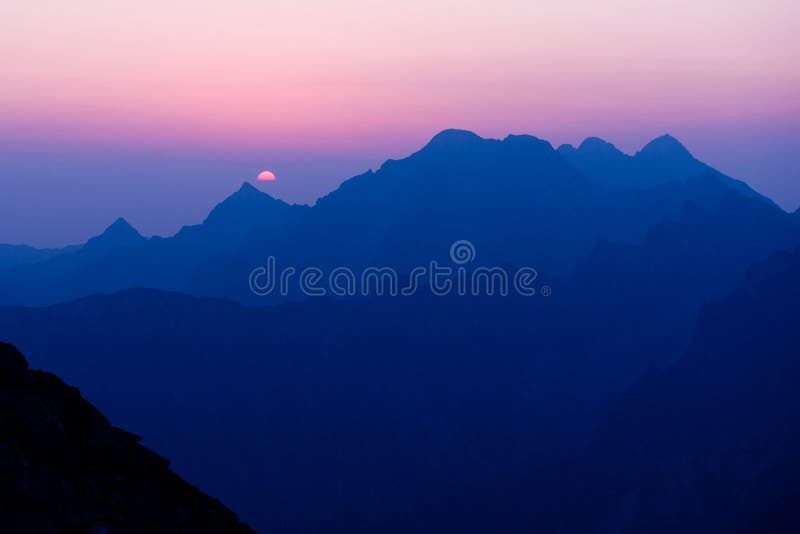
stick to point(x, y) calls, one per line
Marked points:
point(328, 79)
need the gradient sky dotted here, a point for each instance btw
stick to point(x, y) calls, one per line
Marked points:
point(156, 110)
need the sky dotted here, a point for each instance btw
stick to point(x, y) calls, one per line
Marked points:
point(157, 110)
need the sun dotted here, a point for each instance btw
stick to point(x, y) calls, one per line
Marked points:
point(266, 176)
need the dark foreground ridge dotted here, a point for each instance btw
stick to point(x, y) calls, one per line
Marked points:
point(64, 468)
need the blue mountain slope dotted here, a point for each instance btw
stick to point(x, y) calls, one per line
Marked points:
point(662, 160)
point(299, 414)
point(119, 236)
point(708, 444)
point(518, 200)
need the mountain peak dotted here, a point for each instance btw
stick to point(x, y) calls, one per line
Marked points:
point(121, 231)
point(121, 226)
point(248, 188)
point(119, 234)
point(453, 138)
point(246, 206)
point(250, 194)
point(595, 145)
point(665, 146)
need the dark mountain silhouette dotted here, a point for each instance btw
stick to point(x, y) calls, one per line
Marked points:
point(642, 300)
point(709, 444)
point(499, 193)
point(518, 200)
point(65, 468)
point(414, 367)
point(300, 414)
point(708, 441)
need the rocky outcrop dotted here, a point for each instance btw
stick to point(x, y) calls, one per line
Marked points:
point(65, 468)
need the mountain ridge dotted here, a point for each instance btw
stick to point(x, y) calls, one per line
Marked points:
point(500, 194)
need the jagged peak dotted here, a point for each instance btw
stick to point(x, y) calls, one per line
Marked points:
point(246, 203)
point(120, 232)
point(121, 225)
point(119, 229)
point(247, 187)
point(250, 192)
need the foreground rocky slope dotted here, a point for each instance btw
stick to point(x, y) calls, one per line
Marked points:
point(65, 468)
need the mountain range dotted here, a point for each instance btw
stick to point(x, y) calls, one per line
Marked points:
point(380, 415)
point(648, 391)
point(518, 200)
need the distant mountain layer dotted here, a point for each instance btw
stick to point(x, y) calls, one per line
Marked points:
point(297, 416)
point(444, 390)
point(66, 469)
point(475, 409)
point(518, 200)
point(24, 255)
point(709, 444)
point(661, 161)
point(717, 435)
